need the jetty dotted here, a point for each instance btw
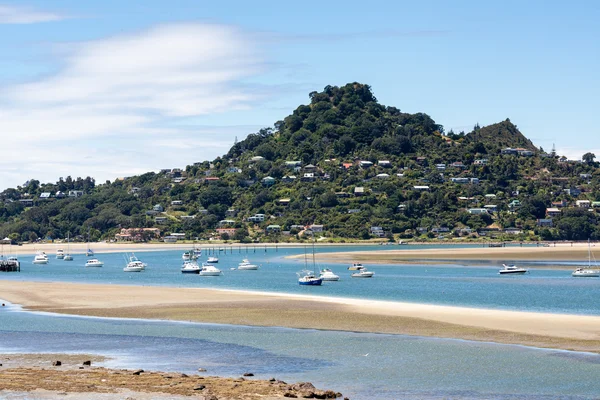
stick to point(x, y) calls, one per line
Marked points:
point(10, 266)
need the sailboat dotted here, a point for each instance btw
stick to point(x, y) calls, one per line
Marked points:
point(89, 251)
point(587, 272)
point(68, 256)
point(307, 277)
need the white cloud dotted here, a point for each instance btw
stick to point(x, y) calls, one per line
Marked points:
point(24, 15)
point(131, 90)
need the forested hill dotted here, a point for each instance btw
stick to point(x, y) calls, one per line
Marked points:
point(353, 167)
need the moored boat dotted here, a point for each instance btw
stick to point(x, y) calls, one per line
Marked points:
point(246, 265)
point(60, 254)
point(306, 277)
point(40, 258)
point(209, 270)
point(212, 260)
point(355, 266)
point(363, 273)
point(328, 275)
point(190, 267)
point(511, 269)
point(587, 272)
point(94, 262)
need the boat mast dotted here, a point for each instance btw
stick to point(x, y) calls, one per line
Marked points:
point(313, 251)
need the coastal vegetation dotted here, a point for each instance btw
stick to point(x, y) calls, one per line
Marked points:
point(344, 165)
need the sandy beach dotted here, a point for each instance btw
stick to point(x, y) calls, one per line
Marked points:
point(572, 332)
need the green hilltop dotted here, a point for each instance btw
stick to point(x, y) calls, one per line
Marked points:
point(344, 164)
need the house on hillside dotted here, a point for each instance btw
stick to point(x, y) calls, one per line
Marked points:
point(268, 181)
point(552, 212)
point(288, 179)
point(384, 163)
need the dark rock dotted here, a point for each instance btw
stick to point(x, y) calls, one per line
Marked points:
point(201, 370)
point(184, 376)
point(338, 394)
point(56, 363)
point(137, 372)
point(211, 398)
point(308, 395)
point(270, 380)
point(290, 394)
point(248, 374)
point(303, 386)
point(80, 367)
point(199, 387)
point(88, 362)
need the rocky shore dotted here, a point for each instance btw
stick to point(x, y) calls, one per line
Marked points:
point(53, 376)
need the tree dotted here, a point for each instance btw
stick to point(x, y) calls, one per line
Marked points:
point(588, 158)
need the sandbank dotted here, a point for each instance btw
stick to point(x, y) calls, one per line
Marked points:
point(571, 332)
point(451, 254)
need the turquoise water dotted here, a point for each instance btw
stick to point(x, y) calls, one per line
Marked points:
point(543, 290)
point(361, 366)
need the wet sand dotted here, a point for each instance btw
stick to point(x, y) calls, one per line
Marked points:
point(35, 376)
point(571, 332)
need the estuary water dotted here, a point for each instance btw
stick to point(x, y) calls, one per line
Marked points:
point(360, 365)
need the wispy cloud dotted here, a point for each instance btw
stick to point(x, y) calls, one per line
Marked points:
point(136, 87)
point(25, 15)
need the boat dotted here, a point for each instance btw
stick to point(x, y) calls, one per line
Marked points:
point(131, 267)
point(307, 277)
point(328, 275)
point(209, 270)
point(94, 262)
point(355, 266)
point(212, 260)
point(68, 256)
point(363, 273)
point(587, 272)
point(512, 269)
point(40, 258)
point(89, 252)
point(190, 267)
point(60, 254)
point(246, 265)
point(134, 261)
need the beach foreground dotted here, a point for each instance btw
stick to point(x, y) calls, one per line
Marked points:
point(34, 375)
point(571, 332)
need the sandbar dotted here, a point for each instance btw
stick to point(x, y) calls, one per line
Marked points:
point(570, 332)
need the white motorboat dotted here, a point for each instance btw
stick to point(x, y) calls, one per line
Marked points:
point(587, 272)
point(94, 262)
point(363, 273)
point(512, 269)
point(190, 267)
point(328, 275)
point(134, 267)
point(136, 262)
point(355, 266)
point(40, 258)
point(246, 265)
point(209, 270)
point(212, 260)
point(60, 254)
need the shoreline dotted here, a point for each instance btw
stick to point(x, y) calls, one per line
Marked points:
point(545, 330)
point(25, 374)
point(448, 253)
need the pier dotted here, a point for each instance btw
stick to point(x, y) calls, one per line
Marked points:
point(10, 266)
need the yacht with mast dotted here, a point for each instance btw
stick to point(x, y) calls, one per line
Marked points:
point(306, 276)
point(587, 272)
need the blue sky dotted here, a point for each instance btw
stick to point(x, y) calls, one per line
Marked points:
point(115, 88)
